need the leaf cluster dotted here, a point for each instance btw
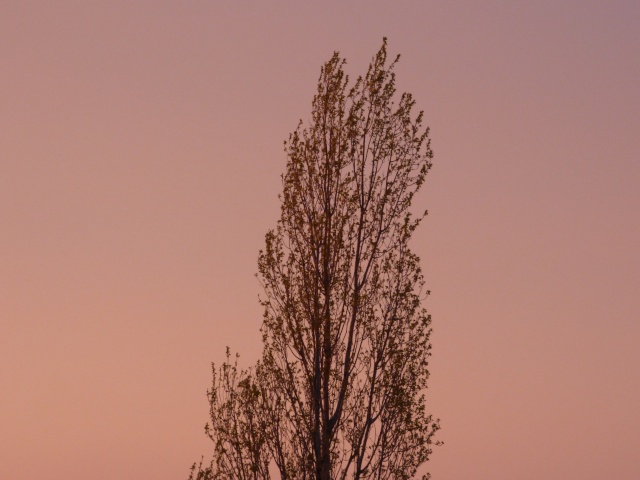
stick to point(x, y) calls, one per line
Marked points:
point(340, 389)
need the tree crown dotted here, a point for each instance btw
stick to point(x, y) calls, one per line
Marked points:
point(339, 390)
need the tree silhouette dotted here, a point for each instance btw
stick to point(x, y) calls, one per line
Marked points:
point(339, 390)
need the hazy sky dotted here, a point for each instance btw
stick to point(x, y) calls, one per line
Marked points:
point(140, 161)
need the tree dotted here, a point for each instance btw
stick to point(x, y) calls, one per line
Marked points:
point(339, 390)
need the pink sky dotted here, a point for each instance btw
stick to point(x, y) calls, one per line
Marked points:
point(140, 162)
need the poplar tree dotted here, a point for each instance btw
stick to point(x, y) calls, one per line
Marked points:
point(339, 392)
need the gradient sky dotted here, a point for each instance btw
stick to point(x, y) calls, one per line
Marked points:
point(140, 161)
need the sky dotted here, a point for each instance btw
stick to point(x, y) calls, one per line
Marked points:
point(141, 148)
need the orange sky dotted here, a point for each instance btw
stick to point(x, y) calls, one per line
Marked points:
point(140, 162)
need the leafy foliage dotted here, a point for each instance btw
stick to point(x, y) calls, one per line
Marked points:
point(339, 391)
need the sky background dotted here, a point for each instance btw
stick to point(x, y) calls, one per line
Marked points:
point(141, 147)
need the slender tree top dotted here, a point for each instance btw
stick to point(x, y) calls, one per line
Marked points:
point(339, 391)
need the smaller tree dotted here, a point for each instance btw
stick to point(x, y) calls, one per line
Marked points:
point(339, 391)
